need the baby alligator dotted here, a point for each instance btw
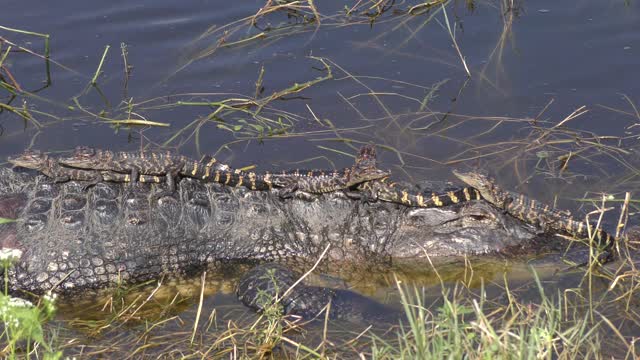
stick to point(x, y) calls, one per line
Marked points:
point(36, 160)
point(155, 163)
point(532, 211)
point(308, 181)
point(49, 166)
point(319, 181)
point(156, 166)
point(382, 190)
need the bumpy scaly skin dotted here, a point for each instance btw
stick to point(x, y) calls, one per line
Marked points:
point(207, 170)
point(541, 215)
point(73, 239)
point(308, 181)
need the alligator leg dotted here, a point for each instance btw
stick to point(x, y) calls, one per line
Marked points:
point(288, 187)
point(507, 201)
point(60, 178)
point(366, 194)
point(259, 288)
point(287, 192)
point(135, 176)
point(94, 180)
point(370, 191)
point(292, 191)
point(171, 184)
point(171, 176)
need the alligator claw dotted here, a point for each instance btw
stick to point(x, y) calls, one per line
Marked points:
point(366, 197)
point(160, 194)
point(88, 186)
point(288, 192)
point(306, 196)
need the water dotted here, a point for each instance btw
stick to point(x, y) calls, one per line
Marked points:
point(397, 81)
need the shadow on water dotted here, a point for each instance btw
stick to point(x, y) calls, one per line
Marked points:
point(539, 93)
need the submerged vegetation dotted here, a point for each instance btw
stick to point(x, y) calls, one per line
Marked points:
point(585, 312)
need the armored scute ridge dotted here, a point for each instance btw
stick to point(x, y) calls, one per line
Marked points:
point(543, 216)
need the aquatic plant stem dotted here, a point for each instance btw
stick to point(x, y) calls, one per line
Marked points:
point(94, 80)
point(455, 43)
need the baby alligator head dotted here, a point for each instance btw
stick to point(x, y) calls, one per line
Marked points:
point(85, 158)
point(481, 180)
point(358, 175)
point(365, 168)
point(31, 159)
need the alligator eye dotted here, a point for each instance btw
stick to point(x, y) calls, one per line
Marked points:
point(83, 152)
point(478, 217)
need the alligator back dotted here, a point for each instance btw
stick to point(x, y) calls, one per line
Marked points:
point(74, 239)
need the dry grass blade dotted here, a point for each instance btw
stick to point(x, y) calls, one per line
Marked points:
point(453, 39)
point(197, 320)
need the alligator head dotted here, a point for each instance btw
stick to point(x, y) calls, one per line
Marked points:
point(480, 180)
point(86, 158)
point(31, 159)
point(365, 168)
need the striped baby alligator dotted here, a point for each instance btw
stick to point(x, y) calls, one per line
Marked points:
point(376, 187)
point(153, 163)
point(37, 160)
point(320, 181)
point(385, 190)
point(389, 192)
point(159, 166)
point(533, 212)
point(51, 167)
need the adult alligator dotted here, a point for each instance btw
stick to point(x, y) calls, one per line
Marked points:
point(73, 239)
